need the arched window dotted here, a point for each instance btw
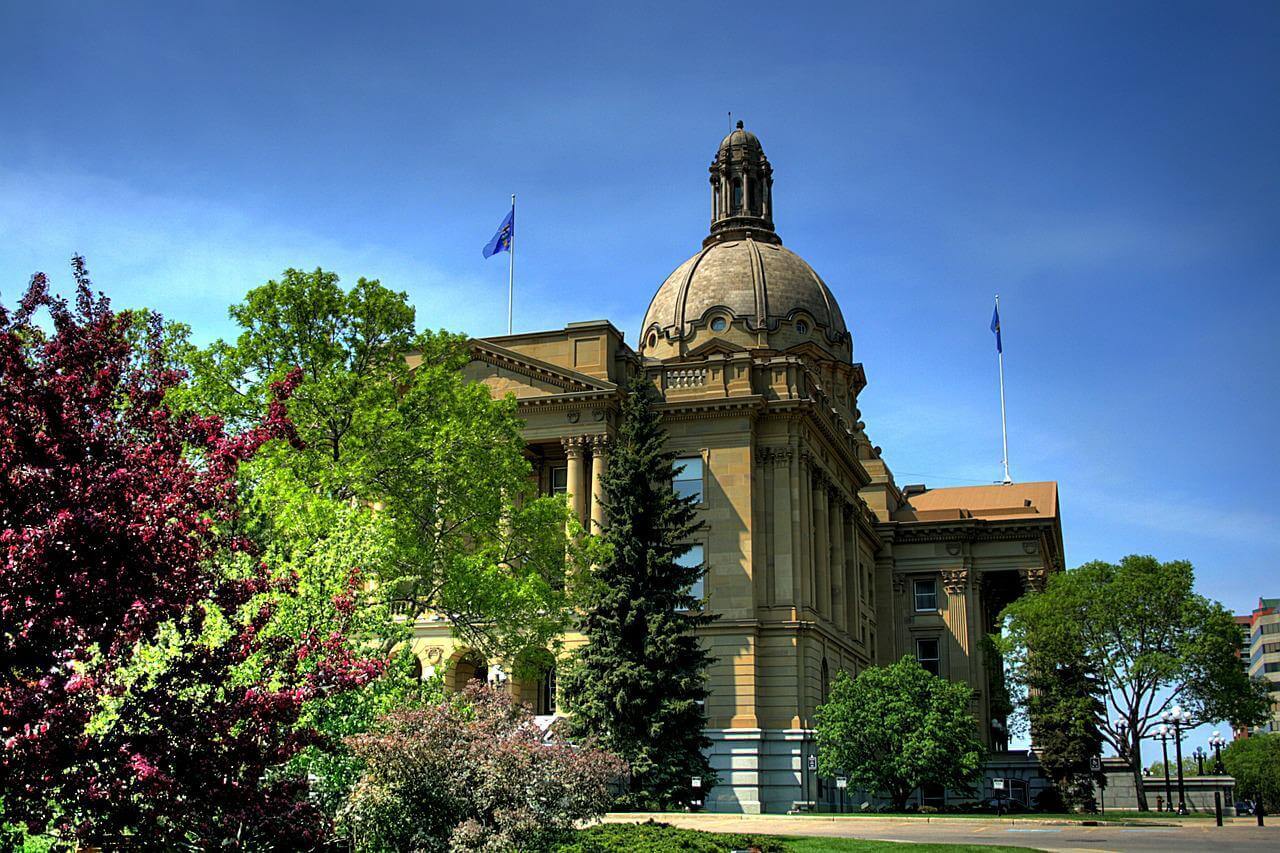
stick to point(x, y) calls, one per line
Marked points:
point(546, 703)
point(737, 197)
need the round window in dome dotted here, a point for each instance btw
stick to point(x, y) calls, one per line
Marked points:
point(802, 328)
point(719, 324)
point(653, 340)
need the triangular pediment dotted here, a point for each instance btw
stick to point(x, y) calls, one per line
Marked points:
point(717, 346)
point(808, 349)
point(507, 371)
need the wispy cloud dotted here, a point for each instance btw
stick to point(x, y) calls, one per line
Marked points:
point(1180, 514)
point(190, 258)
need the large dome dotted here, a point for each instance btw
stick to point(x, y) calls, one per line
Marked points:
point(758, 287)
point(744, 286)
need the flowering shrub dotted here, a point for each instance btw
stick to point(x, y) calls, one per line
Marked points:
point(123, 626)
point(472, 773)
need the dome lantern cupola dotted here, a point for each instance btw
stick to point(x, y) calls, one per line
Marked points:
point(741, 190)
point(744, 289)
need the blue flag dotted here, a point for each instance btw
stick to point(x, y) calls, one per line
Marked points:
point(501, 241)
point(995, 327)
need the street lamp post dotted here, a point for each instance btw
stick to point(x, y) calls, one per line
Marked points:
point(1199, 755)
point(1216, 742)
point(1164, 735)
point(1122, 729)
point(1179, 718)
point(1121, 725)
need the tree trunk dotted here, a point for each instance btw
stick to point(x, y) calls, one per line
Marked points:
point(899, 797)
point(1135, 764)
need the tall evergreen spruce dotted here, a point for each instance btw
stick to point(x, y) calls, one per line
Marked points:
point(638, 684)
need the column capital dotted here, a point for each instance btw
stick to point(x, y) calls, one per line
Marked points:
point(1033, 580)
point(600, 444)
point(774, 455)
point(574, 445)
point(955, 581)
point(818, 477)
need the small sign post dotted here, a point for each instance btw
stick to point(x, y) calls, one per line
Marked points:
point(842, 784)
point(813, 763)
point(998, 785)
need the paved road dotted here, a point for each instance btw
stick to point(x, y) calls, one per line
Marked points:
point(1239, 835)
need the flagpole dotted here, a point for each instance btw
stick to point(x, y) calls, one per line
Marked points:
point(511, 267)
point(1004, 429)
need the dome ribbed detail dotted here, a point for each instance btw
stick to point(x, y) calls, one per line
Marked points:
point(764, 284)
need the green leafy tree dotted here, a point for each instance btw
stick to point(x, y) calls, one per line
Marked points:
point(895, 728)
point(638, 685)
point(324, 546)
point(390, 422)
point(1064, 705)
point(1255, 764)
point(1189, 767)
point(1151, 642)
point(410, 491)
point(349, 345)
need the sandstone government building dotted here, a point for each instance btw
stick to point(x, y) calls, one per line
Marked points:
point(816, 559)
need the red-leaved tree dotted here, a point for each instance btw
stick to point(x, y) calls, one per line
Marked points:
point(116, 520)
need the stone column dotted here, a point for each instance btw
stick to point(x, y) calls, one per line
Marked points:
point(821, 549)
point(839, 583)
point(599, 459)
point(956, 614)
point(803, 529)
point(853, 573)
point(574, 448)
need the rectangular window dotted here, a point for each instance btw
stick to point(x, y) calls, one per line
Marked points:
point(926, 593)
point(558, 480)
point(694, 557)
point(688, 479)
point(927, 654)
point(1271, 667)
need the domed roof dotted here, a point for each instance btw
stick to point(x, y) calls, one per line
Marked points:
point(744, 287)
point(740, 137)
point(762, 283)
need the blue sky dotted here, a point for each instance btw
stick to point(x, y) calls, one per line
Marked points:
point(1112, 170)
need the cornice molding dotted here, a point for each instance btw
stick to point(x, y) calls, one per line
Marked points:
point(967, 530)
